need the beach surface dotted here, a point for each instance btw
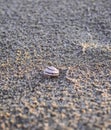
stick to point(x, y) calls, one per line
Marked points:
point(75, 37)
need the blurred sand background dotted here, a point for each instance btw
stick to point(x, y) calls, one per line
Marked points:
point(75, 37)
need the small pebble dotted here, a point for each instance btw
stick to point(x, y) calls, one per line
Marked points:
point(51, 72)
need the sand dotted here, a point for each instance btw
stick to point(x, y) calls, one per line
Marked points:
point(75, 37)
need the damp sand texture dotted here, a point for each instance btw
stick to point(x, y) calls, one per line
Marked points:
point(75, 37)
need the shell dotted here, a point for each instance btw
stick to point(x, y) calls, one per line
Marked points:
point(51, 71)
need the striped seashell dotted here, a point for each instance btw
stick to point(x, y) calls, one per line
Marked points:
point(51, 71)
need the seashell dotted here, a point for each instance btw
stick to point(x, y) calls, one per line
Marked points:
point(51, 72)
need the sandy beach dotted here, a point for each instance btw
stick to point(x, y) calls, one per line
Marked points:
point(75, 37)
